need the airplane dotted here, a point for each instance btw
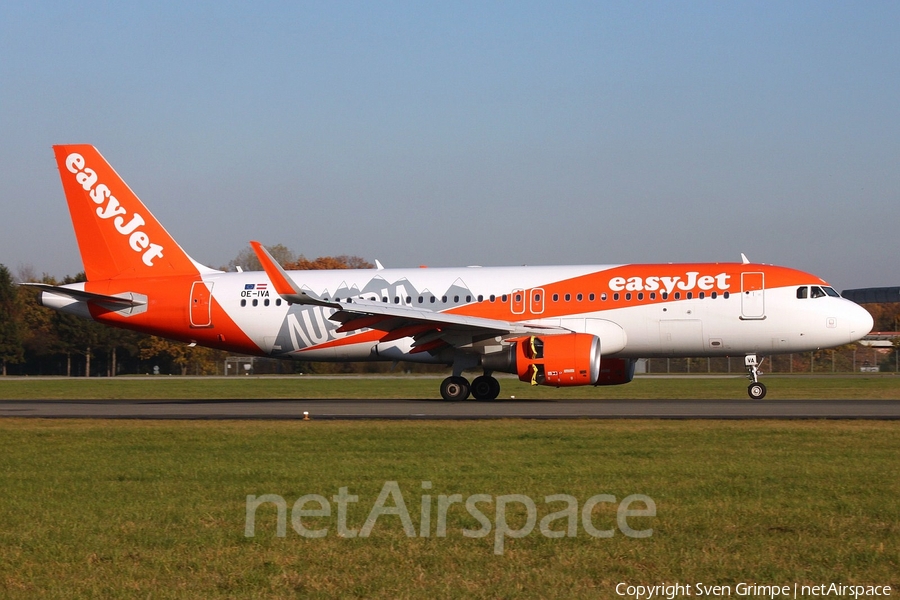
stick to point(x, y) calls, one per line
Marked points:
point(549, 325)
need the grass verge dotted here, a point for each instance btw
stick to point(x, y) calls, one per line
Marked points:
point(648, 387)
point(157, 509)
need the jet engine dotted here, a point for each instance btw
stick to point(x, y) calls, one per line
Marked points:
point(558, 360)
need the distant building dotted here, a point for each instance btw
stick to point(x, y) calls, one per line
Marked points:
point(880, 339)
point(873, 295)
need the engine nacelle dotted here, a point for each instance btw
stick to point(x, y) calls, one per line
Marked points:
point(557, 360)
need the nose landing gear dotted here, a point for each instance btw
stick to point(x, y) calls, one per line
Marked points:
point(756, 389)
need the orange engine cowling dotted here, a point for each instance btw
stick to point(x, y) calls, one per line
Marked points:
point(557, 360)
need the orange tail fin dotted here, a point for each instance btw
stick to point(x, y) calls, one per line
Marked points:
point(117, 235)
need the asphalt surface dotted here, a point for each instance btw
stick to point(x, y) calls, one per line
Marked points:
point(436, 409)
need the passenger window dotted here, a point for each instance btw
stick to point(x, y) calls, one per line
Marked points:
point(640, 295)
point(432, 299)
point(579, 297)
point(802, 292)
point(556, 297)
point(255, 302)
point(244, 302)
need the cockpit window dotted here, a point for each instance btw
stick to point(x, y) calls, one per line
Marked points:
point(831, 292)
point(816, 292)
point(802, 292)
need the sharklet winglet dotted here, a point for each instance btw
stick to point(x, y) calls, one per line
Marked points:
point(286, 287)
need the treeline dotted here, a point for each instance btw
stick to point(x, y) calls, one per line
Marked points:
point(39, 341)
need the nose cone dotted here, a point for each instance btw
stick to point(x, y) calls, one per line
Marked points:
point(860, 321)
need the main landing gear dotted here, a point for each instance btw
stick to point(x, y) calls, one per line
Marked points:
point(484, 387)
point(756, 390)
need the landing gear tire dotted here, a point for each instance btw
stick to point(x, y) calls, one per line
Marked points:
point(455, 388)
point(757, 391)
point(485, 387)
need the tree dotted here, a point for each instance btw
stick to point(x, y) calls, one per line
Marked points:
point(246, 258)
point(329, 262)
point(200, 360)
point(12, 349)
point(78, 335)
point(40, 337)
point(885, 315)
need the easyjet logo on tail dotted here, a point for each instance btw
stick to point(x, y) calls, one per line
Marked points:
point(109, 208)
point(691, 280)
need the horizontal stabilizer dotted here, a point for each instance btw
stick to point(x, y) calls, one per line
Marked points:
point(118, 302)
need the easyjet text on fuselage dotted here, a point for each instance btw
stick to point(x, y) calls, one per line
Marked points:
point(690, 281)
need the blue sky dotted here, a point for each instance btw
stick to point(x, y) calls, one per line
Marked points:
point(468, 133)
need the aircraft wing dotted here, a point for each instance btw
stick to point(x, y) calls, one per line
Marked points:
point(430, 330)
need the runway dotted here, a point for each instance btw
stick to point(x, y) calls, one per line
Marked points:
point(439, 410)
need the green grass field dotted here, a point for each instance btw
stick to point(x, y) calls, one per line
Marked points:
point(876, 386)
point(147, 509)
point(124, 509)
